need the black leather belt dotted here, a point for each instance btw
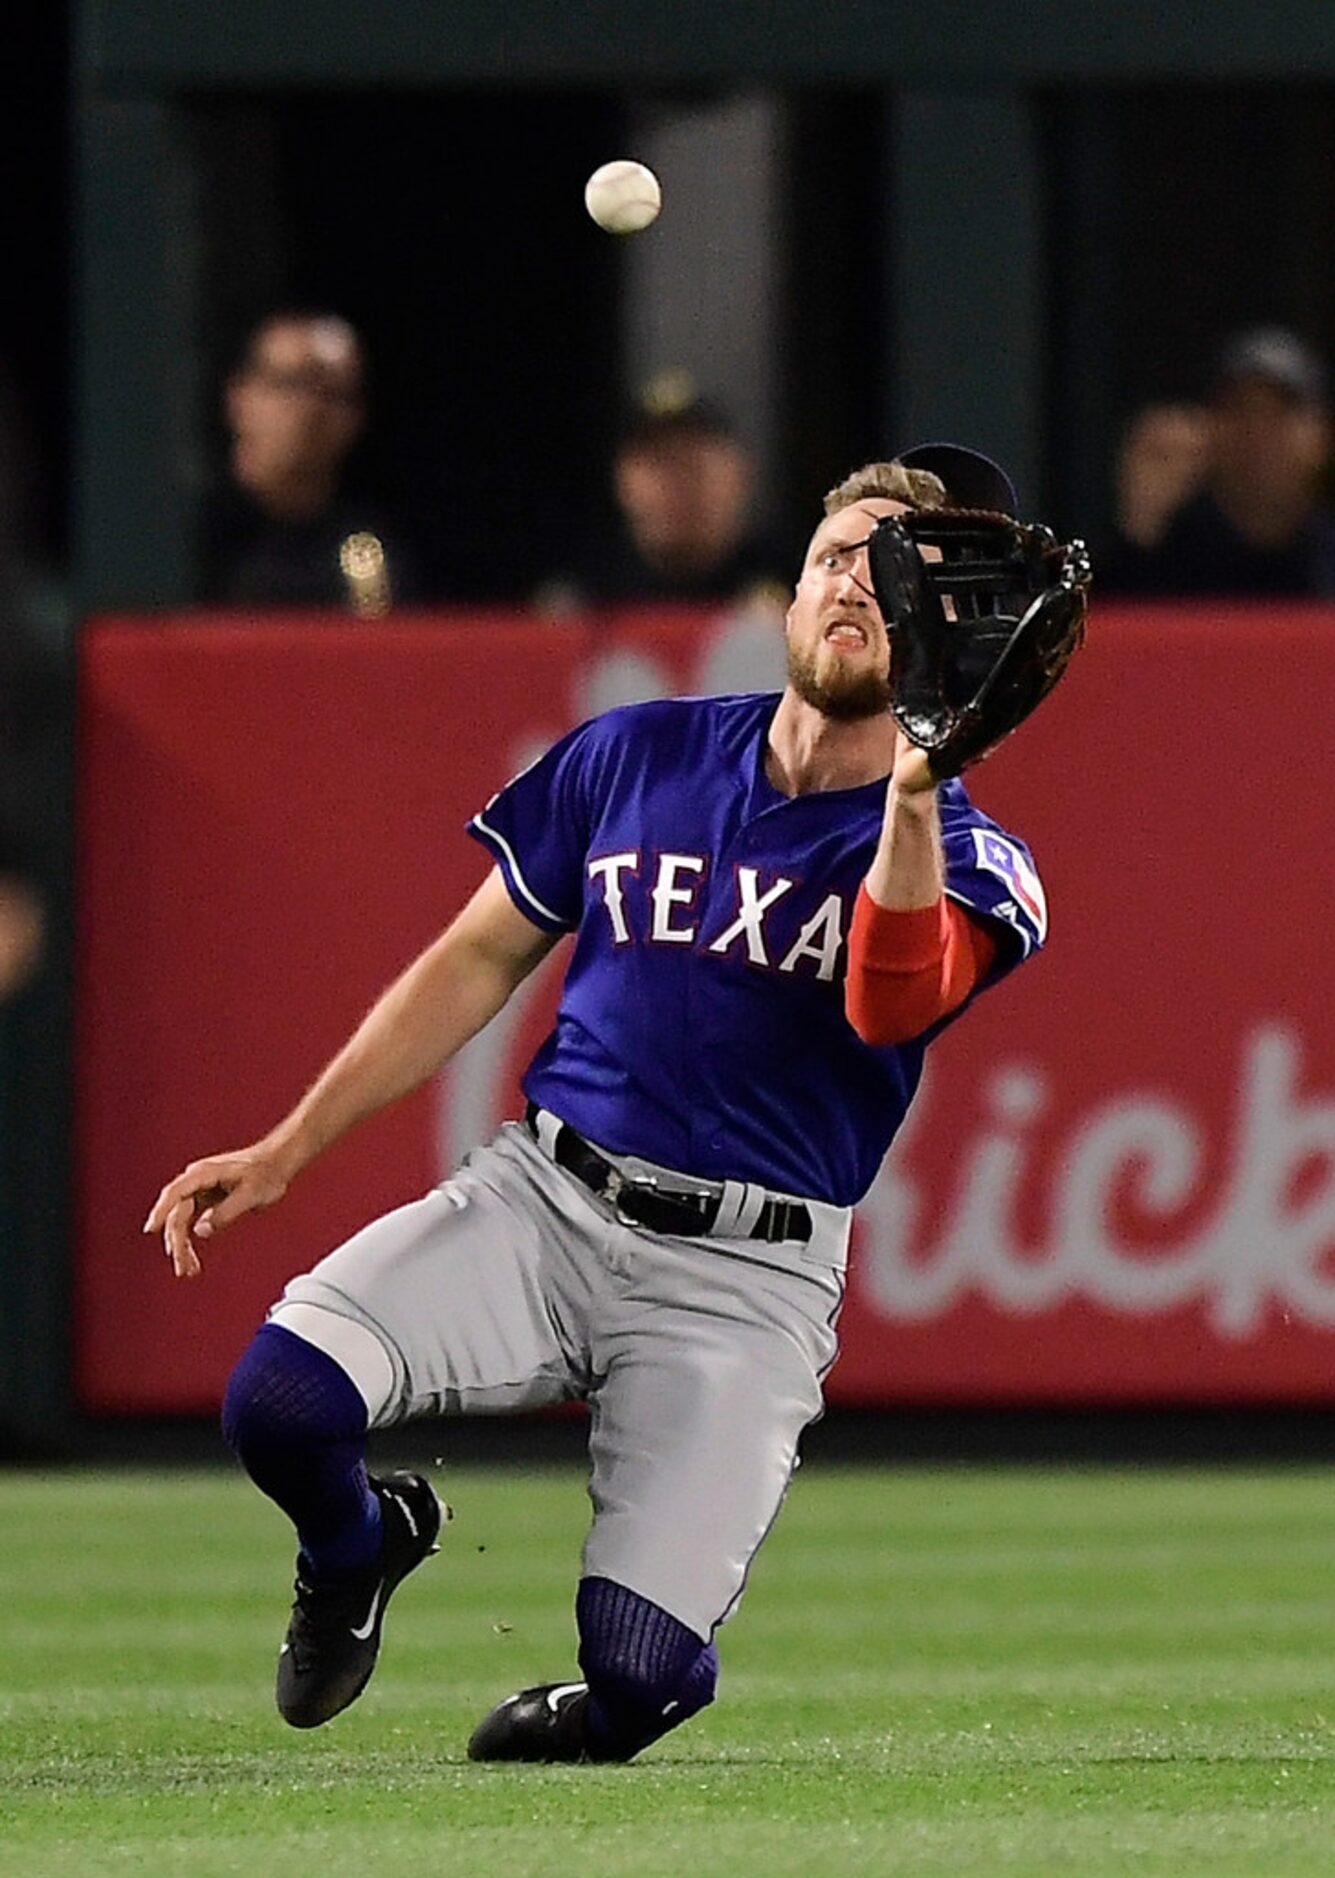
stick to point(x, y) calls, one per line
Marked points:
point(688, 1215)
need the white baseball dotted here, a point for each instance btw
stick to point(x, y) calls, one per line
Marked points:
point(623, 197)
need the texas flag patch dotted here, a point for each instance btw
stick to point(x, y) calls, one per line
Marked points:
point(1005, 859)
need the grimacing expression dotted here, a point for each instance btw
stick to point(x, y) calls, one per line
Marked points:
point(838, 647)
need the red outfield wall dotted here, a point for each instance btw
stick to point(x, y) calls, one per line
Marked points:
point(1118, 1184)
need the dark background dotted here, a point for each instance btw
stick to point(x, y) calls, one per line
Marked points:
point(35, 161)
point(1172, 215)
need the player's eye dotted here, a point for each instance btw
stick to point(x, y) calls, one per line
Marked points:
point(832, 558)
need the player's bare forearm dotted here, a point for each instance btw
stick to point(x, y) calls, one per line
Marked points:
point(908, 869)
point(444, 997)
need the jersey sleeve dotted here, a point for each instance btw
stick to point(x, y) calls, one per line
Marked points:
point(910, 969)
point(992, 874)
point(537, 829)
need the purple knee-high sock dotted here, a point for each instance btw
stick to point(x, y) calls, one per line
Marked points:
point(646, 1671)
point(297, 1423)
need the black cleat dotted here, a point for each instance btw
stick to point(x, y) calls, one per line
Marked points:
point(334, 1636)
point(542, 1724)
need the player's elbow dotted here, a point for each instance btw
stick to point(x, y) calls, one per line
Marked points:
point(882, 1021)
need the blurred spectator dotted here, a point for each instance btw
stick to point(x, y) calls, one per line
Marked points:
point(31, 622)
point(1225, 499)
point(23, 717)
point(683, 483)
point(21, 926)
point(284, 530)
point(1163, 463)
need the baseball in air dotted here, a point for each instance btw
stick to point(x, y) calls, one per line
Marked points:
point(623, 197)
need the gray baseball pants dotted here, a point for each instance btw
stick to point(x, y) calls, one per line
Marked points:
point(512, 1287)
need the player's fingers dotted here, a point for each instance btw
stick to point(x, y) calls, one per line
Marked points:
point(221, 1206)
point(912, 771)
point(185, 1263)
point(176, 1238)
point(157, 1213)
point(176, 1223)
point(194, 1182)
point(172, 1194)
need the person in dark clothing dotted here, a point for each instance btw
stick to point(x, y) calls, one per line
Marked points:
point(24, 712)
point(1248, 519)
point(30, 701)
point(283, 530)
point(682, 481)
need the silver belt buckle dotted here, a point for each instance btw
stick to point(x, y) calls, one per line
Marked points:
point(619, 1183)
point(616, 1183)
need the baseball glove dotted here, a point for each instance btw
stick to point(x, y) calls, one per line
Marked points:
point(980, 635)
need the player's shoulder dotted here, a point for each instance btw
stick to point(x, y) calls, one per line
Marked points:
point(725, 707)
point(964, 824)
point(959, 811)
point(990, 868)
point(677, 721)
point(954, 801)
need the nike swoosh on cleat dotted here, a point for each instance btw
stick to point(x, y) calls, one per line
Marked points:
point(556, 1696)
point(407, 1512)
point(363, 1632)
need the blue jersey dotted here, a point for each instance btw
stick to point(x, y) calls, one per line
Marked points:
point(702, 1020)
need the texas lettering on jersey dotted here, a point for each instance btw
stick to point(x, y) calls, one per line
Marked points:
point(674, 911)
point(701, 1022)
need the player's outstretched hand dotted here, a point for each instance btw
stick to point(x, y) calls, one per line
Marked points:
point(208, 1195)
point(912, 775)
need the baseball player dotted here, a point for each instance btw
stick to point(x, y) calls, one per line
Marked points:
point(774, 907)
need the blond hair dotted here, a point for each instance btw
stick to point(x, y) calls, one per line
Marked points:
point(919, 488)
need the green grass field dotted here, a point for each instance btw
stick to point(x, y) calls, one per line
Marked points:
point(953, 1672)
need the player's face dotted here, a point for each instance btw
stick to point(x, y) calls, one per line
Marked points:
point(838, 648)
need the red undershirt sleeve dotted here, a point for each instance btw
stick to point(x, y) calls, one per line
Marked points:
point(908, 970)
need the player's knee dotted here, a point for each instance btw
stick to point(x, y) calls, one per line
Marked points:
point(646, 1671)
point(286, 1394)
